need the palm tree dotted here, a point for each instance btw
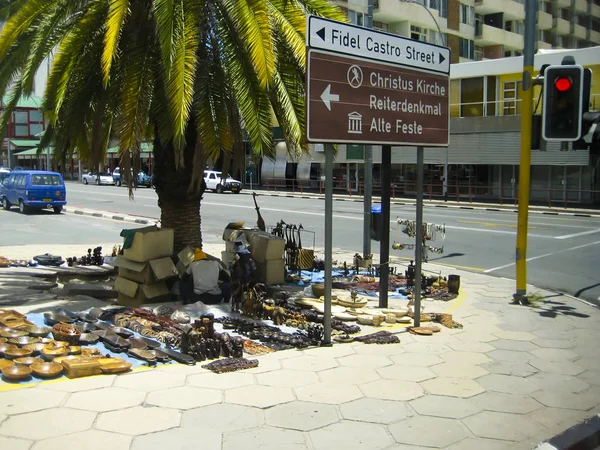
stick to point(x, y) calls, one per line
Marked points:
point(192, 76)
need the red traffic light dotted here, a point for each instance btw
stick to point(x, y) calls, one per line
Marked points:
point(563, 84)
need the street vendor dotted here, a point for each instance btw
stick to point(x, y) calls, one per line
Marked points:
point(205, 281)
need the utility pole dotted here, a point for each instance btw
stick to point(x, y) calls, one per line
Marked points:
point(368, 178)
point(525, 163)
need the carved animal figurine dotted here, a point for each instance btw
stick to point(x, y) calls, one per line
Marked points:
point(260, 222)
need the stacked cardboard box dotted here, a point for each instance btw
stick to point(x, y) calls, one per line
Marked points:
point(145, 267)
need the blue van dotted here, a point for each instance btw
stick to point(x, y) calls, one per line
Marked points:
point(30, 189)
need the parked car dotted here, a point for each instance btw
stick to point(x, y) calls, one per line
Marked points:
point(30, 189)
point(4, 173)
point(97, 178)
point(214, 181)
point(143, 179)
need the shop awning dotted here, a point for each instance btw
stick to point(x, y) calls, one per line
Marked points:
point(145, 147)
point(20, 144)
point(25, 102)
point(33, 152)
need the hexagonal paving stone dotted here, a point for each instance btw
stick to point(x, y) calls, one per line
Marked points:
point(474, 336)
point(509, 355)
point(589, 363)
point(29, 400)
point(479, 444)
point(406, 373)
point(381, 350)
point(508, 403)
point(349, 375)
point(311, 363)
point(264, 438)
point(590, 376)
point(367, 361)
point(462, 346)
point(428, 431)
point(287, 378)
point(151, 380)
point(14, 444)
point(48, 423)
point(452, 387)
point(457, 370)
point(3, 417)
point(554, 354)
point(218, 381)
point(417, 359)
point(554, 343)
point(139, 420)
point(510, 368)
point(556, 382)
point(467, 358)
point(448, 407)
point(554, 417)
point(81, 384)
point(265, 364)
point(259, 396)
point(375, 410)
point(301, 416)
point(185, 397)
point(333, 394)
point(562, 368)
point(562, 399)
point(108, 399)
point(425, 348)
point(519, 346)
point(350, 435)
point(508, 384)
point(515, 335)
point(179, 439)
point(90, 440)
point(497, 425)
point(337, 351)
point(392, 390)
point(222, 417)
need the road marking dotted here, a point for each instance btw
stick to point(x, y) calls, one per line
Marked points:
point(456, 266)
point(543, 256)
point(512, 233)
point(582, 233)
point(492, 224)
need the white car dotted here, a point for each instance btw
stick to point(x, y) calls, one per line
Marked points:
point(97, 178)
point(215, 182)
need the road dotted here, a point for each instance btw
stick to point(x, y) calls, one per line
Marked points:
point(563, 253)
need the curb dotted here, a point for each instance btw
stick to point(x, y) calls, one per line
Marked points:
point(131, 219)
point(583, 436)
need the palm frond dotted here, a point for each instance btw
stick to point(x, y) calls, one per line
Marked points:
point(114, 23)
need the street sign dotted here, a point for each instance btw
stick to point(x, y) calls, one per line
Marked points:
point(352, 40)
point(360, 101)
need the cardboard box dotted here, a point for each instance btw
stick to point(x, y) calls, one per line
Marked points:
point(271, 272)
point(265, 246)
point(230, 246)
point(186, 256)
point(181, 268)
point(163, 268)
point(146, 273)
point(134, 294)
point(233, 230)
point(150, 243)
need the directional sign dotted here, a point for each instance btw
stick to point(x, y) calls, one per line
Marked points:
point(356, 100)
point(357, 41)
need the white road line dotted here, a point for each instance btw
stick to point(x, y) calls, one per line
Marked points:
point(543, 256)
point(512, 233)
point(582, 233)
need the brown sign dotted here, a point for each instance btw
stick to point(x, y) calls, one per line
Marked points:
point(356, 101)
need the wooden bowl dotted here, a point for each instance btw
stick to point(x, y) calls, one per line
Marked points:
point(74, 350)
point(318, 290)
point(116, 367)
point(24, 340)
point(6, 332)
point(15, 353)
point(49, 353)
point(27, 361)
point(3, 340)
point(35, 348)
point(5, 363)
point(60, 359)
point(67, 333)
point(16, 372)
point(4, 347)
point(46, 369)
point(38, 331)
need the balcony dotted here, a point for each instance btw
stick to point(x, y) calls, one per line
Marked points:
point(543, 45)
point(580, 32)
point(581, 6)
point(595, 10)
point(512, 10)
point(595, 37)
point(488, 35)
point(562, 26)
point(398, 11)
point(563, 3)
point(544, 20)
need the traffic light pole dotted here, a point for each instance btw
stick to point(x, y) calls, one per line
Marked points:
point(525, 164)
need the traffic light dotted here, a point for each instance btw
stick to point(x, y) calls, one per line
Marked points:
point(563, 103)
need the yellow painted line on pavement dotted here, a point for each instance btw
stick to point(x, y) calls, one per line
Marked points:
point(456, 266)
point(494, 224)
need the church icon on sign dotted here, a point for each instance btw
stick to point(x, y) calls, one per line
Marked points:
point(355, 123)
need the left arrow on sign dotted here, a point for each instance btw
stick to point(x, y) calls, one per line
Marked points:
point(328, 97)
point(321, 33)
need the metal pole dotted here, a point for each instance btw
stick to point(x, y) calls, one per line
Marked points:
point(384, 252)
point(328, 240)
point(525, 166)
point(418, 238)
point(368, 178)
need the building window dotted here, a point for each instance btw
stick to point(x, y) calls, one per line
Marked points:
point(381, 26)
point(545, 6)
point(565, 14)
point(467, 15)
point(478, 53)
point(21, 130)
point(443, 9)
point(466, 48)
point(20, 117)
point(35, 129)
point(514, 26)
point(355, 17)
point(471, 97)
point(35, 115)
point(418, 33)
point(511, 98)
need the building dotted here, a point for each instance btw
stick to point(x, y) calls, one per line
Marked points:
point(23, 131)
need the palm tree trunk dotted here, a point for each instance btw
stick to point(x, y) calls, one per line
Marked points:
point(180, 208)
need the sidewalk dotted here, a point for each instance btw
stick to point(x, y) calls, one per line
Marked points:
point(513, 377)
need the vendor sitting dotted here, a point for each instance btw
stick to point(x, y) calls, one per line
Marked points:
point(205, 281)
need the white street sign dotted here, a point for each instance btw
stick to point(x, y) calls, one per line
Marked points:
point(357, 41)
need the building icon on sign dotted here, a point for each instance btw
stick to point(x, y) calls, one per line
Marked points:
point(355, 123)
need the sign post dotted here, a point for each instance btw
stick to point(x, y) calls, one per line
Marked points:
point(369, 87)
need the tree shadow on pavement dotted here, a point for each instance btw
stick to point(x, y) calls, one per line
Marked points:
point(553, 308)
